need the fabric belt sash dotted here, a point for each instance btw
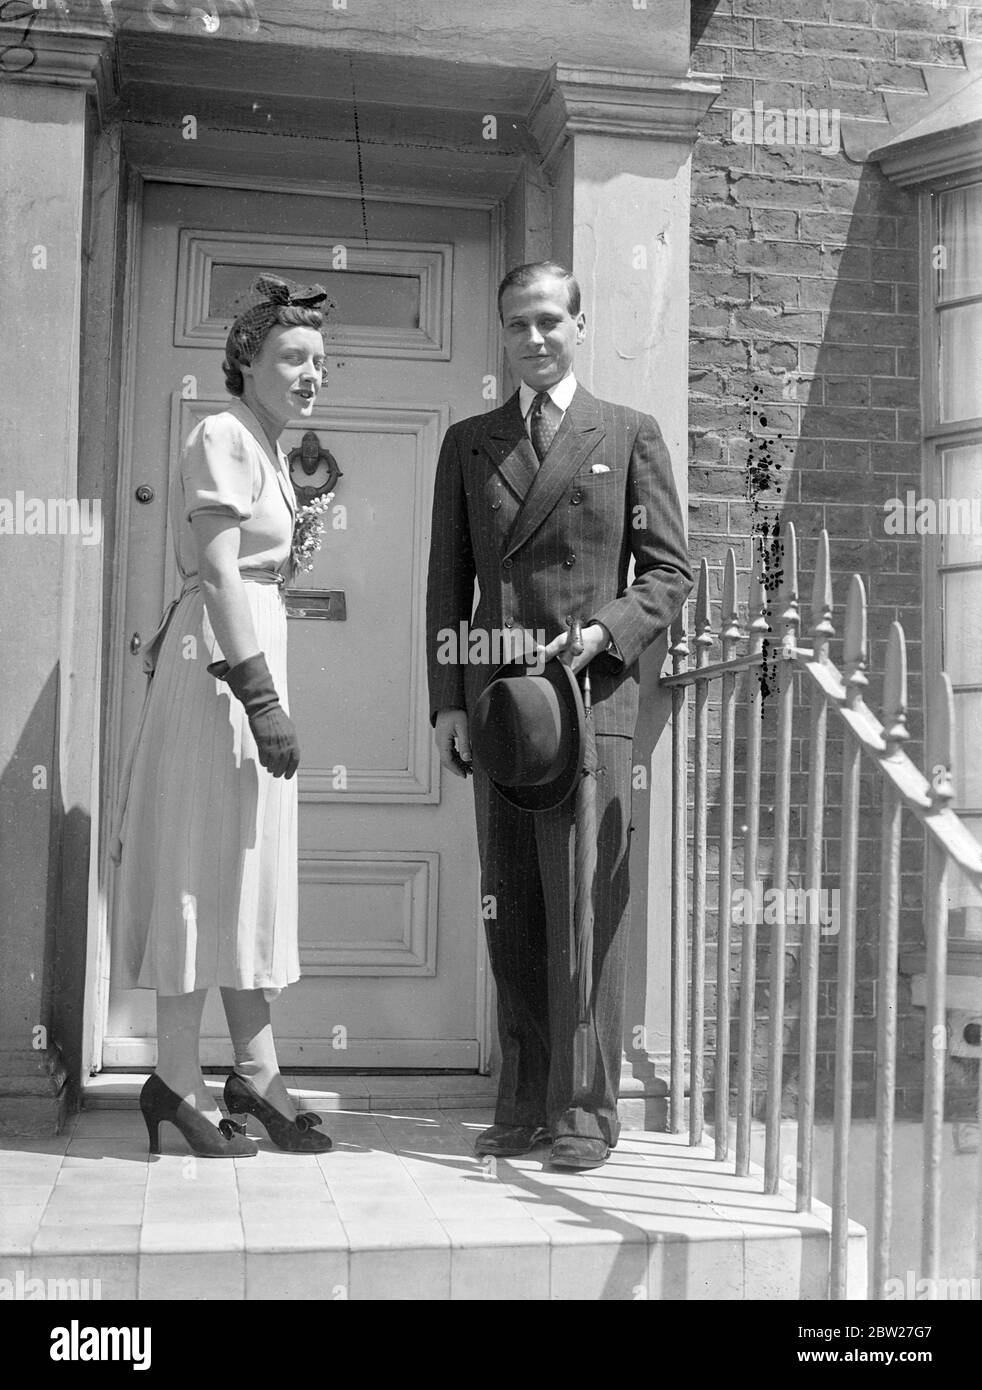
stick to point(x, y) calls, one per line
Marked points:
point(152, 649)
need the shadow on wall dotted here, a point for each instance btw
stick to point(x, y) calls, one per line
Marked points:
point(701, 13)
point(847, 413)
point(815, 398)
point(44, 858)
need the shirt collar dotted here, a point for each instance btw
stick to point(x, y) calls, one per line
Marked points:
point(561, 394)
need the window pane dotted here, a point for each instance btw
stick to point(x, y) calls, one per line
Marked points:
point(963, 628)
point(961, 362)
point(961, 893)
point(364, 300)
point(959, 514)
point(968, 764)
point(960, 233)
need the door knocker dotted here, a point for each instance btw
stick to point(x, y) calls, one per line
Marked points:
point(313, 469)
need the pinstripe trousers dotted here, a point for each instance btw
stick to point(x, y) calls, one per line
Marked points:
point(527, 870)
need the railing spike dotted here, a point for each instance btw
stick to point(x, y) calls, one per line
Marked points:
point(702, 594)
point(939, 740)
point(821, 604)
point(679, 649)
point(895, 690)
point(730, 616)
point(757, 606)
point(854, 649)
point(788, 588)
point(788, 592)
point(704, 615)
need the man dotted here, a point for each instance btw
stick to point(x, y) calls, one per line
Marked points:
point(544, 502)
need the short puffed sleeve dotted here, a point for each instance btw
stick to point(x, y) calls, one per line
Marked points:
point(219, 469)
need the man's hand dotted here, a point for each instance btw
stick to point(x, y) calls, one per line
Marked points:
point(453, 741)
point(595, 640)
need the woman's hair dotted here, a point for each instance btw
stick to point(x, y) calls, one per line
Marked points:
point(246, 337)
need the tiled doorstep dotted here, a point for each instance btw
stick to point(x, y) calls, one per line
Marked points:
point(401, 1209)
point(119, 1091)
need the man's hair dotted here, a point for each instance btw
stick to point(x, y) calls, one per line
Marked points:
point(524, 275)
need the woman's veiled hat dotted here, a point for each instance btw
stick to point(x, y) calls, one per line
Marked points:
point(255, 321)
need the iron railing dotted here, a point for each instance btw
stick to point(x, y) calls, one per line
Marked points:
point(773, 648)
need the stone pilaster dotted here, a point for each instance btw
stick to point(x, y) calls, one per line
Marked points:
point(42, 196)
point(616, 147)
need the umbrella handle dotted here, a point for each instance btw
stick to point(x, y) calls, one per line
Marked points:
point(574, 639)
point(574, 647)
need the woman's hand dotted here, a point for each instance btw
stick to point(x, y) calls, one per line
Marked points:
point(272, 728)
point(248, 677)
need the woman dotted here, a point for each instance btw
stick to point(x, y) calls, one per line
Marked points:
point(207, 828)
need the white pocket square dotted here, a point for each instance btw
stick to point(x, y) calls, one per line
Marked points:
point(599, 468)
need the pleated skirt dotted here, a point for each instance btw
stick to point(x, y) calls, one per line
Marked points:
point(206, 888)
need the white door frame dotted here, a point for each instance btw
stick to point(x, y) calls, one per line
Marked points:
point(101, 879)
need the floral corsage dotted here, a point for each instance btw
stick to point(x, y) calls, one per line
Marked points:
point(308, 533)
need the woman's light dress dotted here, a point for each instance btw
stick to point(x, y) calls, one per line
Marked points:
point(206, 839)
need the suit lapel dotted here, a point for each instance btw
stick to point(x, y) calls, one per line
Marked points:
point(510, 449)
point(578, 435)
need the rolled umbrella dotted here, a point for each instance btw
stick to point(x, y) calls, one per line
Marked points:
point(585, 1042)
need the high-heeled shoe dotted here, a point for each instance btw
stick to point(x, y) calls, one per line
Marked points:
point(226, 1140)
point(295, 1136)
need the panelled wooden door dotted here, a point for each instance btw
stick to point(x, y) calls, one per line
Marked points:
point(388, 864)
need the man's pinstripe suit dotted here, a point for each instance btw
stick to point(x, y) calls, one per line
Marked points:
point(544, 541)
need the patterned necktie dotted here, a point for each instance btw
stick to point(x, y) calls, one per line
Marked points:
point(541, 428)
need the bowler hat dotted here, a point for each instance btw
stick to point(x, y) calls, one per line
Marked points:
point(527, 733)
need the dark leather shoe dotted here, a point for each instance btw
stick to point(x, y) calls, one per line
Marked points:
point(576, 1151)
point(294, 1136)
point(508, 1141)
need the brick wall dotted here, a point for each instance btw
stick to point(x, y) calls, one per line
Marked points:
point(804, 353)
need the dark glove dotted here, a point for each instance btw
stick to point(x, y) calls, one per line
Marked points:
point(272, 728)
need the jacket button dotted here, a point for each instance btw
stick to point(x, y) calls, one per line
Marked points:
point(496, 504)
point(506, 564)
point(569, 561)
point(576, 498)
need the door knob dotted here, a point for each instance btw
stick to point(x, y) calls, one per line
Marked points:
point(135, 643)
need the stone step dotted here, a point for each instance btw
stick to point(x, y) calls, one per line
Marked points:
point(401, 1209)
point(642, 1104)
